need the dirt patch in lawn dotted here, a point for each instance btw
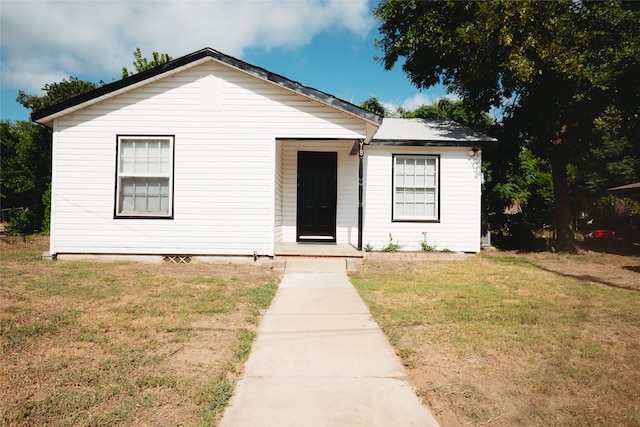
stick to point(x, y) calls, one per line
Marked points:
point(507, 338)
point(89, 343)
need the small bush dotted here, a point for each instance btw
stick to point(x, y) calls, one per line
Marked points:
point(392, 246)
point(20, 223)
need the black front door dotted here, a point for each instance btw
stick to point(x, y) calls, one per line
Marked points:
point(317, 186)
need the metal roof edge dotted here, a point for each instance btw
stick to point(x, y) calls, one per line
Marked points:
point(433, 143)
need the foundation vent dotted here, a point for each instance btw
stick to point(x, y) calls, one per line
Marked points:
point(176, 259)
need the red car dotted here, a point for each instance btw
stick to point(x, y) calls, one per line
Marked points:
point(597, 230)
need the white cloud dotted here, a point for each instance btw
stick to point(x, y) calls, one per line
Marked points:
point(45, 41)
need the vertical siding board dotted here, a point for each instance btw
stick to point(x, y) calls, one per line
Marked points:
point(227, 164)
point(278, 194)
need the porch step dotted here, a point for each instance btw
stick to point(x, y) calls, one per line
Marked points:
point(319, 250)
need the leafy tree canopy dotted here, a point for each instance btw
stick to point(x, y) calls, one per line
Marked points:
point(142, 64)
point(372, 104)
point(555, 68)
point(26, 173)
point(453, 110)
point(56, 93)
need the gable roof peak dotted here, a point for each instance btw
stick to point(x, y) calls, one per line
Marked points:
point(46, 115)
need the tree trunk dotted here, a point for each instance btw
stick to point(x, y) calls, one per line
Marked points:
point(566, 241)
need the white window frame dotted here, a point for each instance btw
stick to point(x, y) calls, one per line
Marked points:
point(425, 186)
point(163, 172)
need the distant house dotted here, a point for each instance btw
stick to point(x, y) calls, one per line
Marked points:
point(629, 190)
point(208, 155)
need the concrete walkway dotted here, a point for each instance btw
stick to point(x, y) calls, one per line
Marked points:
point(320, 360)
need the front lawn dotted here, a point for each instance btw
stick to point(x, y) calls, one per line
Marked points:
point(88, 343)
point(515, 339)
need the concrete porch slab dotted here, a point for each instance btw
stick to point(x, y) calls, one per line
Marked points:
point(317, 250)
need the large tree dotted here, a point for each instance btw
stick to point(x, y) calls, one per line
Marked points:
point(554, 68)
point(55, 93)
point(25, 167)
point(26, 151)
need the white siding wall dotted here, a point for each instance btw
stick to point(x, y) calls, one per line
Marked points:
point(225, 181)
point(279, 197)
point(460, 192)
point(347, 197)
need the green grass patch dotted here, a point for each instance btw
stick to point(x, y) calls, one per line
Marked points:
point(93, 343)
point(247, 337)
point(517, 332)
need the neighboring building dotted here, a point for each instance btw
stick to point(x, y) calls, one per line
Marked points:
point(209, 155)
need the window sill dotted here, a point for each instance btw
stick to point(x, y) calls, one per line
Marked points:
point(415, 220)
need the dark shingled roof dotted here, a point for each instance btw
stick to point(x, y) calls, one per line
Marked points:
point(258, 72)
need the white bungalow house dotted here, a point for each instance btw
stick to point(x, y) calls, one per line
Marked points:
point(208, 155)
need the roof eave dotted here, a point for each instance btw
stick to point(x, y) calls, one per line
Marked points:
point(47, 115)
point(434, 143)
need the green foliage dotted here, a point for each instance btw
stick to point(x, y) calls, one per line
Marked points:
point(522, 180)
point(25, 175)
point(424, 244)
point(262, 296)
point(56, 93)
point(554, 69)
point(247, 337)
point(142, 64)
point(453, 110)
point(372, 104)
point(368, 247)
point(392, 246)
point(426, 112)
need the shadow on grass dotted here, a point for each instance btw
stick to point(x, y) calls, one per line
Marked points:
point(586, 277)
point(591, 278)
point(634, 268)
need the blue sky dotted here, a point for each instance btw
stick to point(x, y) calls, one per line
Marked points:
point(327, 45)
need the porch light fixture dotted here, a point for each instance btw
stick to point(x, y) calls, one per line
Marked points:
point(473, 151)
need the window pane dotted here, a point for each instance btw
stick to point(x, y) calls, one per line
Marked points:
point(155, 149)
point(415, 181)
point(409, 209)
point(140, 148)
point(410, 167)
point(430, 196)
point(153, 204)
point(431, 167)
point(144, 195)
point(430, 210)
point(165, 165)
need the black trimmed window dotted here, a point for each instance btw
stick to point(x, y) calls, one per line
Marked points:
point(144, 178)
point(415, 188)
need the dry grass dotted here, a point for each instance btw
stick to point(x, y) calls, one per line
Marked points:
point(86, 343)
point(516, 339)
